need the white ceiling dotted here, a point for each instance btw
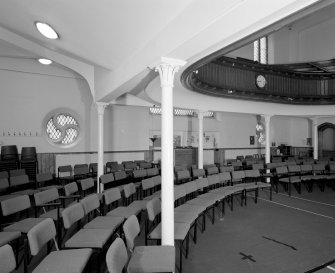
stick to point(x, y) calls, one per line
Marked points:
point(103, 32)
point(111, 43)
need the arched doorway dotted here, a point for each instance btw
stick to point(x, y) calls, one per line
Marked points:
point(326, 136)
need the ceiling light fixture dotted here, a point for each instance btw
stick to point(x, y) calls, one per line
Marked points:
point(46, 30)
point(45, 61)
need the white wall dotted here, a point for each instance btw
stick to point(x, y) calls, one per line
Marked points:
point(29, 91)
point(303, 42)
point(126, 128)
point(246, 52)
point(306, 40)
point(235, 129)
point(290, 131)
point(328, 141)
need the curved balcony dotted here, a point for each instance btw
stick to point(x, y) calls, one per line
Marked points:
point(311, 83)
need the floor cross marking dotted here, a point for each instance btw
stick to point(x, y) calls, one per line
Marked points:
point(247, 257)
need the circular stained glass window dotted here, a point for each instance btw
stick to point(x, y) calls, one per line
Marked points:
point(62, 128)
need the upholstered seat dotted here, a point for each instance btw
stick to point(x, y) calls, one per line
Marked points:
point(69, 260)
point(114, 195)
point(263, 185)
point(201, 202)
point(102, 222)
point(139, 204)
point(44, 178)
point(198, 209)
point(64, 261)
point(8, 236)
point(130, 194)
point(124, 211)
point(53, 214)
point(291, 179)
point(152, 259)
point(26, 192)
point(147, 258)
point(7, 259)
point(180, 231)
point(24, 225)
point(92, 238)
point(185, 217)
point(7, 196)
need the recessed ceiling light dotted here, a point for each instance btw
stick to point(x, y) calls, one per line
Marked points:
point(46, 30)
point(45, 61)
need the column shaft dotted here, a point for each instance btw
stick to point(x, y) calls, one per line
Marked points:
point(267, 139)
point(166, 70)
point(167, 167)
point(315, 138)
point(100, 108)
point(201, 140)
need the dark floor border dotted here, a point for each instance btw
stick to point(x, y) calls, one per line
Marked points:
point(321, 267)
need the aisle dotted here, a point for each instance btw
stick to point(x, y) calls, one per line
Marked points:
point(269, 237)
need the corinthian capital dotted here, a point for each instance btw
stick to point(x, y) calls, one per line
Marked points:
point(167, 68)
point(101, 107)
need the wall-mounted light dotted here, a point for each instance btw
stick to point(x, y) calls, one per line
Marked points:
point(45, 61)
point(46, 30)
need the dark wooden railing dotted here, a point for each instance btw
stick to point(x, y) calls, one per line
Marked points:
point(236, 78)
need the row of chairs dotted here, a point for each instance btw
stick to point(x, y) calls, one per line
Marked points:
point(51, 196)
point(306, 174)
point(114, 166)
point(185, 175)
point(10, 160)
point(17, 182)
point(198, 198)
point(193, 200)
point(10, 153)
point(114, 193)
point(67, 174)
point(143, 259)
